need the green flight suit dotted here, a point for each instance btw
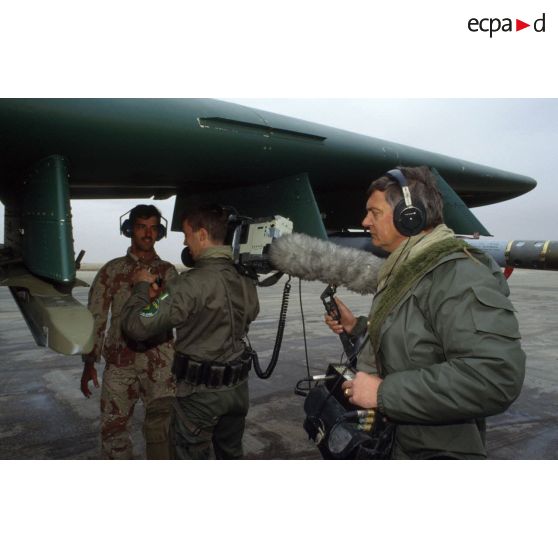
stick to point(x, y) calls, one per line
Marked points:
point(449, 355)
point(211, 307)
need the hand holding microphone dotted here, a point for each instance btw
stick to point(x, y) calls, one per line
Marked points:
point(333, 311)
point(344, 322)
point(312, 259)
point(155, 281)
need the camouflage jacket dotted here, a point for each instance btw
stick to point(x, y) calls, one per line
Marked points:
point(109, 292)
point(211, 307)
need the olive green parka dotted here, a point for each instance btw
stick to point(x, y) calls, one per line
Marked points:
point(449, 355)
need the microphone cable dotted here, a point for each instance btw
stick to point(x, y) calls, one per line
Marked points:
point(303, 329)
point(264, 375)
point(339, 377)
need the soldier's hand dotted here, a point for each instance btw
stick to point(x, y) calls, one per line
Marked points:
point(346, 322)
point(89, 374)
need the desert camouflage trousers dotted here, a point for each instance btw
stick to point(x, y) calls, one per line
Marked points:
point(150, 380)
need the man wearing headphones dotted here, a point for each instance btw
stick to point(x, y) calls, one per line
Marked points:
point(443, 350)
point(133, 370)
point(211, 307)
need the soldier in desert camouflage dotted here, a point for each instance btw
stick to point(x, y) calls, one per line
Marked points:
point(133, 370)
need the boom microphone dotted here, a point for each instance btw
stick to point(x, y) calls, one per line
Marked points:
point(312, 259)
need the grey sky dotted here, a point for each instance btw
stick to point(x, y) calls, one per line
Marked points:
point(517, 135)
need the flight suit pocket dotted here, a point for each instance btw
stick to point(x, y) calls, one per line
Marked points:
point(494, 313)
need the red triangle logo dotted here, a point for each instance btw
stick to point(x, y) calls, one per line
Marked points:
point(519, 25)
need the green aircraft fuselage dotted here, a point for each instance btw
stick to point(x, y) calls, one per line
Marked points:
point(137, 147)
point(55, 150)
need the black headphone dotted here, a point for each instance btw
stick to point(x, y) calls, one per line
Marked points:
point(409, 218)
point(127, 227)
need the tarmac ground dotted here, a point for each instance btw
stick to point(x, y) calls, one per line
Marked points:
point(43, 414)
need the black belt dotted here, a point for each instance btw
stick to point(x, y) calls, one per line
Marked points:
point(212, 374)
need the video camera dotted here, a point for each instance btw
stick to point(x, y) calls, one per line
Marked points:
point(251, 239)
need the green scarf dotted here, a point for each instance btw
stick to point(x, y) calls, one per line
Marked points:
point(403, 269)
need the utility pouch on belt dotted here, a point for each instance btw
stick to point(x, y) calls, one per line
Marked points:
point(212, 374)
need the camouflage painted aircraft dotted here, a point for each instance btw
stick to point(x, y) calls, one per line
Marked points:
point(55, 150)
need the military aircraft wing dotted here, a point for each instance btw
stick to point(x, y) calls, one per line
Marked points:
point(201, 150)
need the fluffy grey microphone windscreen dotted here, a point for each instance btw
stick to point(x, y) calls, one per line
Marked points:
point(312, 259)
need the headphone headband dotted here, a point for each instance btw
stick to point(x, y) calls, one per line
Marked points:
point(398, 176)
point(127, 226)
